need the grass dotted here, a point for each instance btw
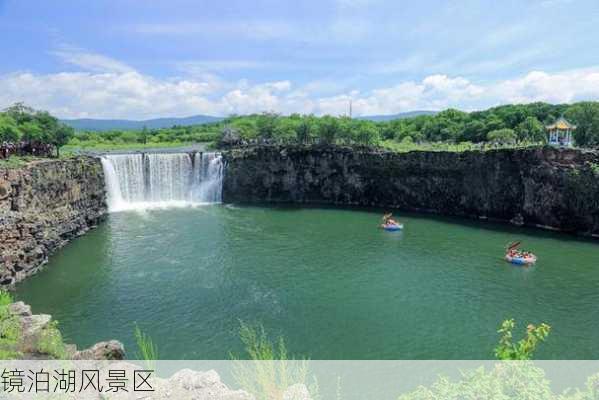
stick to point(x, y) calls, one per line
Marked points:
point(48, 342)
point(147, 350)
point(13, 162)
point(406, 146)
point(51, 342)
point(10, 329)
point(268, 380)
point(73, 148)
point(393, 145)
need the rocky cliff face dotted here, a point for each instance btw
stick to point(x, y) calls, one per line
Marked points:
point(43, 206)
point(547, 187)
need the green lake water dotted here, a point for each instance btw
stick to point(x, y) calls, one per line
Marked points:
point(327, 280)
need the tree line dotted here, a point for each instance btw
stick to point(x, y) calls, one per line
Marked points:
point(25, 131)
point(507, 124)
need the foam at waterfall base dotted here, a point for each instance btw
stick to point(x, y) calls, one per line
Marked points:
point(159, 205)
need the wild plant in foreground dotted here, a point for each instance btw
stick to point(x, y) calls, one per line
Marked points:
point(147, 350)
point(270, 370)
point(525, 348)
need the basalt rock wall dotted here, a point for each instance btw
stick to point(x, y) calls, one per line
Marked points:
point(545, 187)
point(42, 206)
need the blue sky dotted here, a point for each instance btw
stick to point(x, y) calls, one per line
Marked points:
point(141, 59)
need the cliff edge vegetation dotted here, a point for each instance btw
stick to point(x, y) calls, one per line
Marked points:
point(508, 125)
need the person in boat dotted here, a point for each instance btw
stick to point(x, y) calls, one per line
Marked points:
point(388, 220)
point(513, 252)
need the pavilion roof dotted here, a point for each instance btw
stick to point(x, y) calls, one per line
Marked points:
point(561, 124)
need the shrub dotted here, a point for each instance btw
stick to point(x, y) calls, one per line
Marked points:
point(504, 135)
point(525, 348)
point(272, 374)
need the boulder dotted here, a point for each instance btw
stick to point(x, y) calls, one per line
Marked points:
point(229, 137)
point(4, 189)
point(33, 324)
point(110, 350)
point(20, 309)
point(206, 385)
point(297, 392)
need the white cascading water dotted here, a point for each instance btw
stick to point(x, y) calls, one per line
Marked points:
point(153, 180)
point(209, 175)
point(169, 177)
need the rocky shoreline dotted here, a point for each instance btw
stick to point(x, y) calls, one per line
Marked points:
point(44, 205)
point(546, 187)
point(183, 384)
point(37, 330)
point(33, 352)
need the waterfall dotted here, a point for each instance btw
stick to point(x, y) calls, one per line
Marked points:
point(139, 181)
point(169, 177)
point(209, 176)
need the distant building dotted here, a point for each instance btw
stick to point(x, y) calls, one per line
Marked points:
point(560, 133)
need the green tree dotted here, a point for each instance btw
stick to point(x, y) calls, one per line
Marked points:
point(444, 126)
point(328, 128)
point(285, 128)
point(346, 129)
point(504, 136)
point(303, 131)
point(61, 136)
point(586, 117)
point(531, 130)
point(524, 348)
point(144, 135)
point(494, 123)
point(20, 113)
point(474, 131)
point(9, 132)
point(368, 135)
point(129, 137)
point(32, 132)
point(267, 125)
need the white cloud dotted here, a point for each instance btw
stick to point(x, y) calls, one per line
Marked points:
point(126, 93)
point(85, 94)
point(437, 92)
point(560, 87)
point(432, 93)
point(91, 61)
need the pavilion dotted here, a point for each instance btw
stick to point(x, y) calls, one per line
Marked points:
point(560, 133)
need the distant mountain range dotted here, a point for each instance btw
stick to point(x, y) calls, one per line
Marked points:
point(391, 117)
point(91, 124)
